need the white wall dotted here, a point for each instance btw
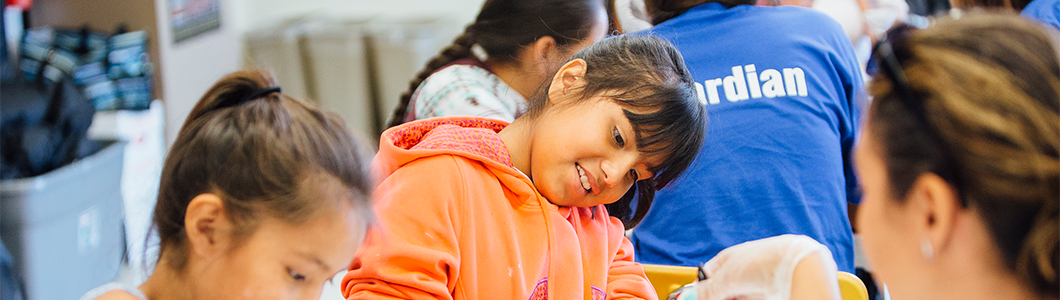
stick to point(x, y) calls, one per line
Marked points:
point(190, 67)
point(250, 14)
point(332, 66)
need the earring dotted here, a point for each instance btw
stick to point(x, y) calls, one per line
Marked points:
point(927, 249)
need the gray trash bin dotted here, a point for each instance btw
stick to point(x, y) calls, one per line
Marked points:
point(64, 228)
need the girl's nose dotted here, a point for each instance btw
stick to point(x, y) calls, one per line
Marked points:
point(616, 171)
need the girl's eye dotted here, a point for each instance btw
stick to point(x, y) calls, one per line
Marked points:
point(295, 275)
point(618, 137)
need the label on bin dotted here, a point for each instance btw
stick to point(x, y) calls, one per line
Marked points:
point(88, 230)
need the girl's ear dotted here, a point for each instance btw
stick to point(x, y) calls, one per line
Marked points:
point(541, 55)
point(207, 226)
point(936, 206)
point(570, 76)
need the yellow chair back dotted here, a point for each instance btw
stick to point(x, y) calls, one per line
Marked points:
point(667, 279)
point(851, 287)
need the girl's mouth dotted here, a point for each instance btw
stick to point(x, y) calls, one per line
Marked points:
point(584, 179)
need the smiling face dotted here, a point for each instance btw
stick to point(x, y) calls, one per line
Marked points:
point(284, 261)
point(584, 153)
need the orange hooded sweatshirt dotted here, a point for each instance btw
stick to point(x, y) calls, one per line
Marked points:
point(458, 221)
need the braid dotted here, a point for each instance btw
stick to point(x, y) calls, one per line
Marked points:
point(461, 48)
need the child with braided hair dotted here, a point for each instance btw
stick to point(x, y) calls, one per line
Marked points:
point(501, 59)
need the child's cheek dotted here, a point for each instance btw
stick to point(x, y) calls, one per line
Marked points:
point(272, 289)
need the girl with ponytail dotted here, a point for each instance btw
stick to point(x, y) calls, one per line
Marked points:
point(262, 197)
point(501, 59)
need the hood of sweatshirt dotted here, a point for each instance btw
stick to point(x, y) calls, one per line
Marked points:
point(468, 137)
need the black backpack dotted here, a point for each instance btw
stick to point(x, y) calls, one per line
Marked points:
point(43, 126)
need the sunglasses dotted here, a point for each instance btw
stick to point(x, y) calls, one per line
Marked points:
point(887, 57)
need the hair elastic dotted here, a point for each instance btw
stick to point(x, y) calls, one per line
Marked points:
point(255, 95)
point(479, 52)
point(261, 93)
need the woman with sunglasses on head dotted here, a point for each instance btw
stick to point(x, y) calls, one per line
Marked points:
point(960, 172)
point(959, 161)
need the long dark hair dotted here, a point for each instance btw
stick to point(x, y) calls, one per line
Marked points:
point(984, 116)
point(261, 154)
point(503, 28)
point(648, 76)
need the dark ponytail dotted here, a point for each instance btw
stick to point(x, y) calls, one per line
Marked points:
point(261, 152)
point(505, 27)
point(461, 48)
point(234, 87)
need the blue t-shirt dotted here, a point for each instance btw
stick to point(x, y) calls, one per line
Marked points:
point(1044, 11)
point(783, 89)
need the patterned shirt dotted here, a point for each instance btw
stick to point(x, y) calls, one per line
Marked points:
point(466, 88)
point(106, 288)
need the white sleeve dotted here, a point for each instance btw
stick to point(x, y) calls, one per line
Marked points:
point(759, 269)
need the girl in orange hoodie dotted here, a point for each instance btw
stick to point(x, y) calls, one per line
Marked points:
point(474, 208)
